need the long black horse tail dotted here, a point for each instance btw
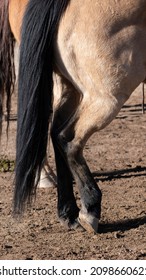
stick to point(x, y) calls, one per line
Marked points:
point(35, 93)
point(7, 69)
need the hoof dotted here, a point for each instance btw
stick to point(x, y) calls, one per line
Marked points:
point(47, 181)
point(88, 222)
point(70, 225)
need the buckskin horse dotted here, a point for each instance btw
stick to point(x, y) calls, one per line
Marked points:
point(16, 11)
point(88, 55)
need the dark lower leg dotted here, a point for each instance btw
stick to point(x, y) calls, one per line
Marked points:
point(67, 207)
point(90, 193)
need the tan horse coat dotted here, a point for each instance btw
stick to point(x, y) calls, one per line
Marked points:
point(100, 58)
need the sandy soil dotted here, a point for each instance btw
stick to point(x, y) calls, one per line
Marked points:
point(120, 148)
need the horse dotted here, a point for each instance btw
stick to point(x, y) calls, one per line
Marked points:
point(16, 10)
point(79, 63)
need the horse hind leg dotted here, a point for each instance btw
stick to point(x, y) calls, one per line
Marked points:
point(48, 178)
point(68, 210)
point(90, 117)
point(89, 191)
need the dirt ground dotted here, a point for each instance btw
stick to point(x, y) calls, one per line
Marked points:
point(120, 148)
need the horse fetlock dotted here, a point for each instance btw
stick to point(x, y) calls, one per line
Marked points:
point(92, 204)
point(69, 219)
point(68, 213)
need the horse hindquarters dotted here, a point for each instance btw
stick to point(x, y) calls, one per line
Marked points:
point(105, 64)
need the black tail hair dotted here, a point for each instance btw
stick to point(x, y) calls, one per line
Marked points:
point(7, 69)
point(35, 92)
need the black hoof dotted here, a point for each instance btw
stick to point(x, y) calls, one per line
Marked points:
point(69, 224)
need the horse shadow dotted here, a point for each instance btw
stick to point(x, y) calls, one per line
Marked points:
point(124, 225)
